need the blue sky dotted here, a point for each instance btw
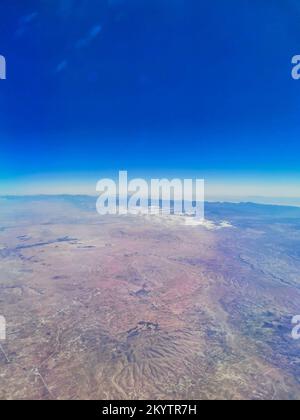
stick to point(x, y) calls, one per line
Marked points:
point(156, 87)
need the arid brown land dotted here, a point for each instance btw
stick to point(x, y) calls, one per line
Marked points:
point(147, 308)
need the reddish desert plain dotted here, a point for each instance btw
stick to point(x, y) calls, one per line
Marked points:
point(139, 307)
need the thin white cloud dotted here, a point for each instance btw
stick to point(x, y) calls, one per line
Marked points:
point(61, 66)
point(93, 33)
point(29, 18)
point(24, 22)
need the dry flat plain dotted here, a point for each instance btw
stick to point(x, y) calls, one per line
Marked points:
point(148, 308)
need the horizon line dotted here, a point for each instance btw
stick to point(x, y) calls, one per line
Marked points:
point(248, 200)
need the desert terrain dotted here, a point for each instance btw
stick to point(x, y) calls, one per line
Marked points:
point(138, 307)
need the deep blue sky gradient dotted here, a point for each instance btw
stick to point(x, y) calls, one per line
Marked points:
point(169, 85)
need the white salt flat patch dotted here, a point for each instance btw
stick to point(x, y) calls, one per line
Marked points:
point(156, 214)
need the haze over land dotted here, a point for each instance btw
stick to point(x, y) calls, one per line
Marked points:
point(144, 307)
